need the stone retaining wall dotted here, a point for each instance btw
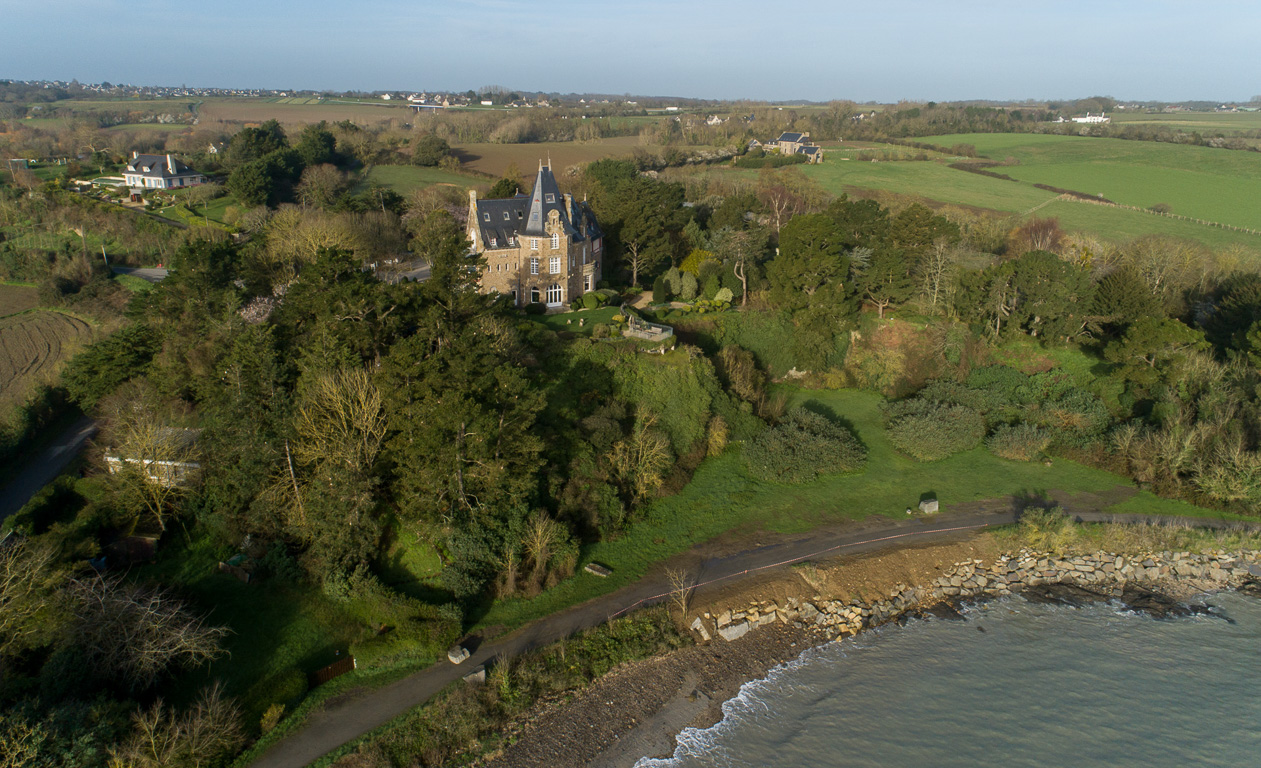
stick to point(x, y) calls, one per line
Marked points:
point(1102, 575)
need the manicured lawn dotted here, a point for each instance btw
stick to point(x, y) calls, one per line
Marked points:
point(568, 321)
point(722, 497)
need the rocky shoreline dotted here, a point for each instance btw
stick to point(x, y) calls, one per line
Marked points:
point(638, 710)
point(1156, 583)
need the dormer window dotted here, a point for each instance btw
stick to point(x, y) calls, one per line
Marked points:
point(494, 242)
point(520, 215)
point(507, 216)
point(549, 198)
point(485, 217)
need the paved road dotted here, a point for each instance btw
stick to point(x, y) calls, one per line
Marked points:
point(337, 724)
point(152, 274)
point(41, 468)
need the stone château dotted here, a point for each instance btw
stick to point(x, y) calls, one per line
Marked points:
point(542, 248)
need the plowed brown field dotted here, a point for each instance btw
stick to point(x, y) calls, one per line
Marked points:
point(32, 346)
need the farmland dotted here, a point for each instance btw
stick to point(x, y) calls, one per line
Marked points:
point(33, 344)
point(495, 159)
point(1215, 184)
point(1207, 123)
point(17, 298)
point(405, 178)
point(237, 111)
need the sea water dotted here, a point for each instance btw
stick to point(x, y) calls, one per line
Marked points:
point(1014, 685)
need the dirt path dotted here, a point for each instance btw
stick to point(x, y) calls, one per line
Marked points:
point(715, 566)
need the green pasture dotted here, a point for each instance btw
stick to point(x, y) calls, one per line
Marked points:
point(932, 180)
point(1219, 185)
point(1206, 123)
point(722, 498)
point(406, 178)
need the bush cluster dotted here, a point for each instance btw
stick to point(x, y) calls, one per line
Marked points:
point(804, 446)
point(931, 431)
point(1019, 442)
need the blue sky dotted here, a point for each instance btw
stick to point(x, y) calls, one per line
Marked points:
point(884, 51)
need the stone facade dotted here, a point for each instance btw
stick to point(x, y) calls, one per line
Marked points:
point(542, 248)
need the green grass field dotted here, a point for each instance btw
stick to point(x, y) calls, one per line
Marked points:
point(406, 178)
point(722, 498)
point(1219, 185)
point(1206, 123)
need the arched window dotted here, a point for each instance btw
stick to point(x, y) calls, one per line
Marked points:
point(534, 295)
point(555, 294)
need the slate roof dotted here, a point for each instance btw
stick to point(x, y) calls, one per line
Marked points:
point(159, 166)
point(501, 220)
point(793, 137)
point(808, 150)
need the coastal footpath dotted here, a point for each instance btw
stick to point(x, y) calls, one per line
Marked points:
point(742, 633)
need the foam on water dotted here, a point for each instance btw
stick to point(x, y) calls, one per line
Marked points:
point(1041, 686)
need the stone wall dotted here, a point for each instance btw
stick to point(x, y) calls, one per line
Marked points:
point(1151, 582)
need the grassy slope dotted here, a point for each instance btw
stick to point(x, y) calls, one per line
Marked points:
point(1215, 184)
point(722, 498)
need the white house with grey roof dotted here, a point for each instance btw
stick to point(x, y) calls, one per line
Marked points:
point(542, 248)
point(159, 172)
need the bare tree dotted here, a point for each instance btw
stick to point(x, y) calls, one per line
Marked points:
point(340, 418)
point(200, 736)
point(639, 460)
point(27, 581)
point(939, 269)
point(134, 632)
point(153, 461)
point(682, 584)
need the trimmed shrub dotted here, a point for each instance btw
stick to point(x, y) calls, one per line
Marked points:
point(536, 309)
point(1018, 442)
point(723, 296)
point(931, 431)
point(688, 286)
point(803, 447)
point(590, 300)
point(660, 290)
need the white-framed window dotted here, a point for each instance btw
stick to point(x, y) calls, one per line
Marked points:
point(555, 265)
point(534, 295)
point(494, 242)
point(586, 283)
point(534, 243)
point(534, 266)
point(486, 217)
point(555, 294)
point(555, 241)
point(507, 216)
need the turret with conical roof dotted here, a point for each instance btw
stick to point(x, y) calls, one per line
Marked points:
point(546, 198)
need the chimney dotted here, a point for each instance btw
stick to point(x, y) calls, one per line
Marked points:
point(472, 200)
point(170, 164)
point(134, 154)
